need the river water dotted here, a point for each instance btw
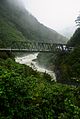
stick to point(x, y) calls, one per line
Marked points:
point(30, 60)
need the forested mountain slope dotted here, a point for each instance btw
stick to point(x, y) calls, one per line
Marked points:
point(68, 64)
point(16, 23)
point(75, 39)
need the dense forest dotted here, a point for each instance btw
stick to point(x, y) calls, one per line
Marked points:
point(29, 94)
point(68, 64)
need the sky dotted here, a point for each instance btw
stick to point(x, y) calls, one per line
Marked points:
point(56, 14)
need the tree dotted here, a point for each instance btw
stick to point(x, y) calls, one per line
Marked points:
point(78, 21)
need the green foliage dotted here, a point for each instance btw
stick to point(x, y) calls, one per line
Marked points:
point(68, 64)
point(75, 39)
point(69, 67)
point(26, 25)
point(27, 94)
point(8, 33)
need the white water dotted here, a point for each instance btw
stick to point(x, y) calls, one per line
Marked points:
point(28, 60)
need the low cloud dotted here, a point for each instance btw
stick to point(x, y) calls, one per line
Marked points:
point(21, 3)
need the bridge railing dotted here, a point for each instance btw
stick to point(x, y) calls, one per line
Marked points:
point(37, 46)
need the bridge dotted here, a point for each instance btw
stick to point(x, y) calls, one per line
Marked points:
point(24, 46)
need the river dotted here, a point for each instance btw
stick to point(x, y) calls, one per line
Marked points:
point(30, 61)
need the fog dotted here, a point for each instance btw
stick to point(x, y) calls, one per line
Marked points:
point(56, 14)
point(21, 3)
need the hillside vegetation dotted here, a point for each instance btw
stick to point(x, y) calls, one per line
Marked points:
point(27, 94)
point(8, 33)
point(16, 23)
point(68, 64)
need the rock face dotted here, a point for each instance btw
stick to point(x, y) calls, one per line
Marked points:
point(16, 23)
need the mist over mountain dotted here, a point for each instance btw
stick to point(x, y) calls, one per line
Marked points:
point(18, 3)
point(68, 31)
point(16, 23)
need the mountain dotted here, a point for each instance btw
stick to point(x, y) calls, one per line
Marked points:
point(16, 23)
point(75, 39)
point(68, 64)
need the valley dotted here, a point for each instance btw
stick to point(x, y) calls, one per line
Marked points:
point(37, 85)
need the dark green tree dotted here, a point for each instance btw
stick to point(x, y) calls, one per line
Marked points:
point(78, 20)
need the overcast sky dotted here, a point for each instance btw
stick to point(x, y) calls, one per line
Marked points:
point(56, 14)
